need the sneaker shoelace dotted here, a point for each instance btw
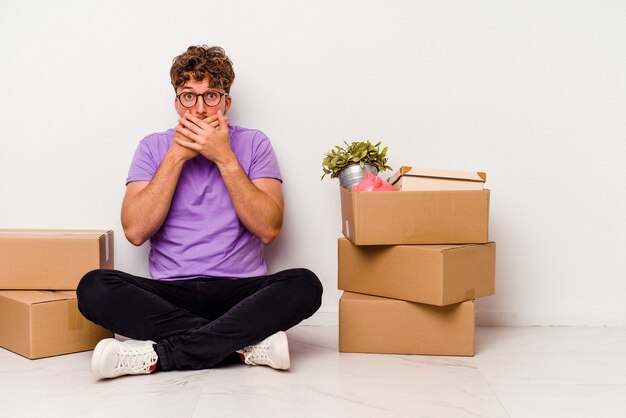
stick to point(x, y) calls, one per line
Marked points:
point(136, 360)
point(256, 353)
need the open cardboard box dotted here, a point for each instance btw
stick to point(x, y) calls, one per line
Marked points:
point(39, 324)
point(432, 274)
point(415, 217)
point(52, 259)
point(409, 178)
point(370, 324)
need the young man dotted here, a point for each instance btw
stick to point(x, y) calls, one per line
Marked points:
point(208, 196)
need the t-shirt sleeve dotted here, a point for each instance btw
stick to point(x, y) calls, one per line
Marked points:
point(144, 166)
point(264, 163)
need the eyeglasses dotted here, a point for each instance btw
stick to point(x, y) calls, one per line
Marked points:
point(211, 98)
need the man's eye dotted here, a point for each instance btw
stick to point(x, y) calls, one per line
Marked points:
point(188, 96)
point(211, 95)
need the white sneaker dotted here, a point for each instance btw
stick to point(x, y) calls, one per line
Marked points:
point(112, 358)
point(272, 351)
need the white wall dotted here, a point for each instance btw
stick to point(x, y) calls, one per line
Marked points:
point(531, 92)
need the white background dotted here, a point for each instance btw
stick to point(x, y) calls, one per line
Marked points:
point(531, 92)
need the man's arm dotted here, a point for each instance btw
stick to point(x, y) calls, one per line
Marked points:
point(259, 203)
point(146, 204)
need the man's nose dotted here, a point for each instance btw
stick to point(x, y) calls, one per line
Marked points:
point(200, 106)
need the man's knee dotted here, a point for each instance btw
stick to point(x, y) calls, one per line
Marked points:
point(88, 283)
point(309, 287)
point(89, 289)
point(313, 282)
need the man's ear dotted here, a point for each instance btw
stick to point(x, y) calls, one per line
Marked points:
point(227, 103)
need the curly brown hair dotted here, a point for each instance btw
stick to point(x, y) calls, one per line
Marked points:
point(203, 62)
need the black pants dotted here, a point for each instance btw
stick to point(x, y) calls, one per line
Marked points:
point(197, 323)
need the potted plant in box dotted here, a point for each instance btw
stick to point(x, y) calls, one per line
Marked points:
point(350, 164)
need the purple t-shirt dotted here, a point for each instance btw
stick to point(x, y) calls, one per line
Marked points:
point(202, 235)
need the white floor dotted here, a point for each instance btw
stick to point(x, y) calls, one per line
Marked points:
point(517, 372)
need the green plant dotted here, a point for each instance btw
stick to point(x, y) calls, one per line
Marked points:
point(360, 153)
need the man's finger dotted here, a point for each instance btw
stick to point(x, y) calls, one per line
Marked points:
point(193, 126)
point(196, 124)
point(187, 144)
point(211, 119)
point(189, 135)
point(222, 119)
point(184, 131)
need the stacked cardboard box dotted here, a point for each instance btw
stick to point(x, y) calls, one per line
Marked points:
point(39, 273)
point(412, 262)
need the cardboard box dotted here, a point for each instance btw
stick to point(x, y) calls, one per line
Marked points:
point(51, 259)
point(39, 324)
point(415, 217)
point(370, 324)
point(433, 274)
point(409, 178)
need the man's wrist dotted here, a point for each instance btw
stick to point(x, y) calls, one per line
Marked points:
point(228, 163)
point(176, 158)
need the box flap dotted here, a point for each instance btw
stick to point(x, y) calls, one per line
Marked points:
point(31, 297)
point(477, 176)
point(51, 233)
point(438, 248)
point(401, 172)
point(360, 296)
point(445, 248)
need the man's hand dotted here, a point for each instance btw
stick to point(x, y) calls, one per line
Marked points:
point(182, 152)
point(208, 137)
